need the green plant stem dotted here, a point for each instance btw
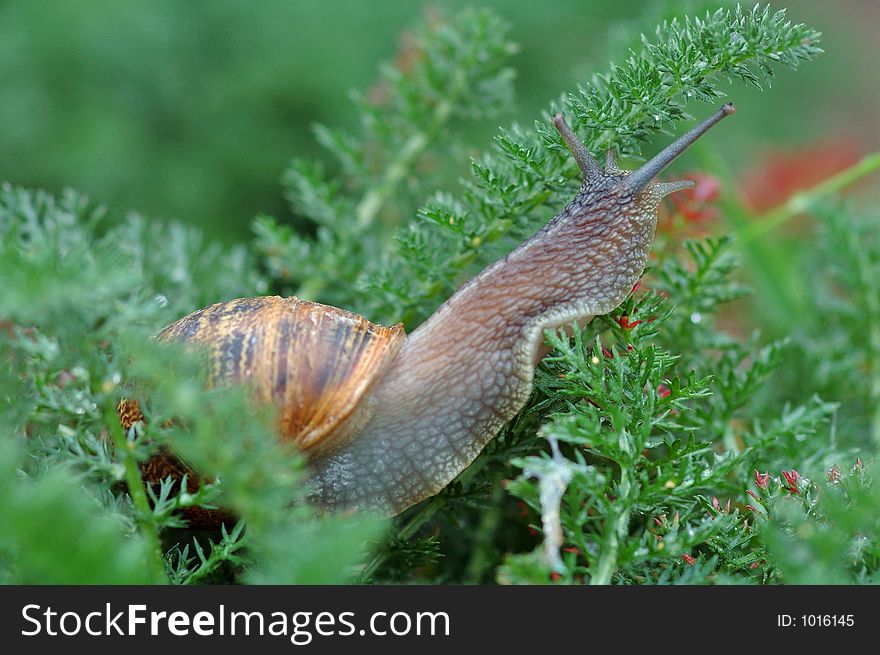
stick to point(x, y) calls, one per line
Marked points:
point(801, 201)
point(375, 198)
point(428, 509)
point(155, 562)
point(431, 507)
point(780, 286)
point(483, 543)
point(750, 232)
point(618, 520)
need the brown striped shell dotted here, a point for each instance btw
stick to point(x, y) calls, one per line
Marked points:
point(313, 362)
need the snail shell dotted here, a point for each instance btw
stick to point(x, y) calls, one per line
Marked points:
point(311, 361)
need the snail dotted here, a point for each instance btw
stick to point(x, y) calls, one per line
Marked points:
point(385, 419)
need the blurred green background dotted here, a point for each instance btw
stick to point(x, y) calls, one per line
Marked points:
point(191, 110)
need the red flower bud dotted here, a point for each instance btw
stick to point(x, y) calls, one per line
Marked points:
point(833, 474)
point(791, 479)
point(624, 322)
point(695, 204)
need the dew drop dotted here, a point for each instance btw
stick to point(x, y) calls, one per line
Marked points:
point(696, 318)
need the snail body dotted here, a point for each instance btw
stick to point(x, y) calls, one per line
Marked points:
point(387, 419)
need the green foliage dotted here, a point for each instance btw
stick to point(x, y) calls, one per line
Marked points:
point(75, 348)
point(820, 532)
point(102, 554)
point(843, 340)
point(641, 455)
point(531, 172)
point(447, 73)
point(646, 94)
point(650, 442)
point(189, 109)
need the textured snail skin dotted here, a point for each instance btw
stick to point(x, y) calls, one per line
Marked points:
point(468, 369)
